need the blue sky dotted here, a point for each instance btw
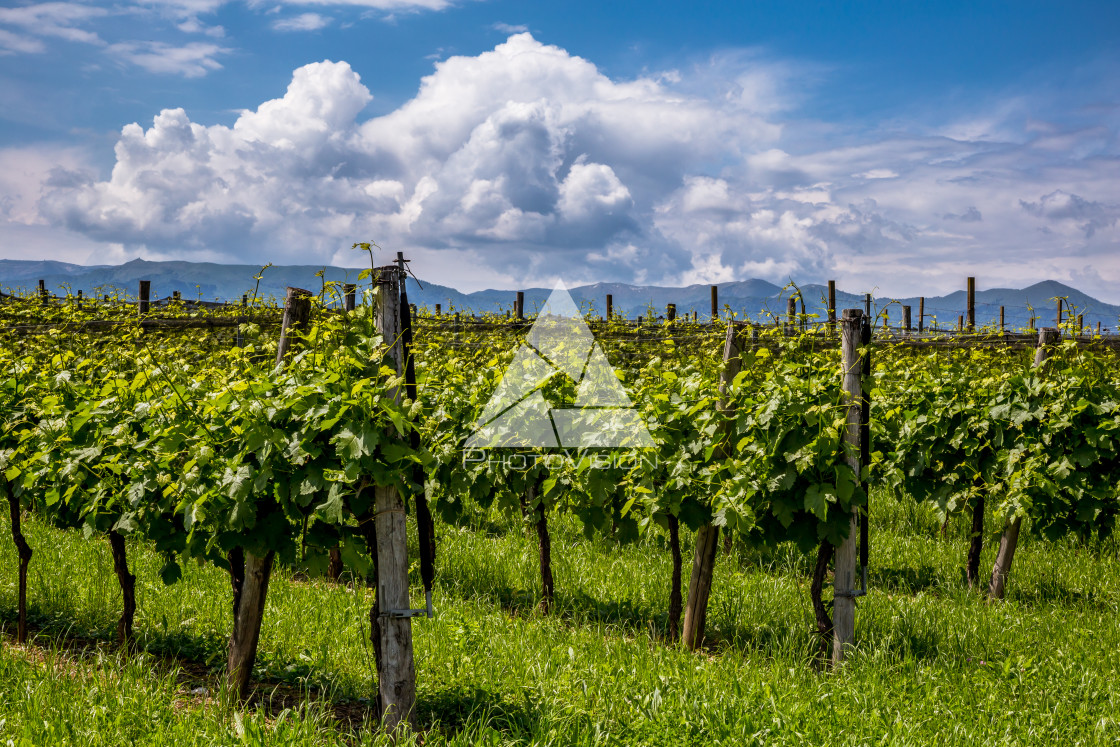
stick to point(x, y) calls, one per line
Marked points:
point(898, 146)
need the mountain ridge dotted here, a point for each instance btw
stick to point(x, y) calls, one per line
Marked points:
point(753, 298)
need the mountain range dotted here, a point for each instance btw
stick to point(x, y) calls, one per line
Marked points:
point(748, 298)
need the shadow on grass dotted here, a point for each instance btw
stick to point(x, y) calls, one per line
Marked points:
point(454, 709)
point(199, 662)
point(905, 579)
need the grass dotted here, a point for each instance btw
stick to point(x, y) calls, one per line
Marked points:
point(934, 662)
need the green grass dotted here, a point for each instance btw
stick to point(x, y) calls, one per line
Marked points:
point(934, 663)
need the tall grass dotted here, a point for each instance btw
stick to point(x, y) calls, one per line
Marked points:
point(934, 663)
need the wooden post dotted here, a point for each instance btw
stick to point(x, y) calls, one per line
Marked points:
point(297, 315)
point(831, 306)
point(1080, 324)
point(707, 537)
point(1047, 338)
point(1032, 322)
point(44, 299)
point(145, 290)
point(519, 306)
point(791, 312)
point(439, 309)
point(906, 319)
point(971, 304)
point(960, 322)
point(694, 316)
point(244, 300)
point(1098, 329)
point(921, 314)
point(391, 625)
point(671, 311)
point(610, 305)
point(886, 317)
point(715, 304)
point(867, 304)
point(175, 296)
point(844, 583)
point(349, 296)
point(1058, 321)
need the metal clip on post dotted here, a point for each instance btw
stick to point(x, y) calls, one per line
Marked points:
point(425, 611)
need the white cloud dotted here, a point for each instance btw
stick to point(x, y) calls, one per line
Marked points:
point(302, 22)
point(508, 28)
point(526, 162)
point(192, 25)
point(11, 42)
point(192, 60)
point(48, 19)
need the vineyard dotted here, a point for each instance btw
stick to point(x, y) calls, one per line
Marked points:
point(820, 543)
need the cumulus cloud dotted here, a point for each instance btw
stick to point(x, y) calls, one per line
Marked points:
point(520, 149)
point(525, 162)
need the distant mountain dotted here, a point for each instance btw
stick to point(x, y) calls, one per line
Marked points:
point(756, 299)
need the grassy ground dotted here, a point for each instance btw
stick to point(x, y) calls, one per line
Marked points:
point(934, 664)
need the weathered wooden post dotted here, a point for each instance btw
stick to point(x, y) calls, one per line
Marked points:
point(921, 314)
point(1009, 540)
point(906, 319)
point(971, 304)
point(610, 305)
point(867, 304)
point(44, 298)
point(1001, 327)
point(519, 306)
point(671, 311)
point(145, 290)
point(1080, 324)
point(831, 306)
point(390, 617)
point(439, 309)
point(844, 583)
point(715, 304)
point(791, 313)
point(707, 537)
point(1058, 319)
point(349, 296)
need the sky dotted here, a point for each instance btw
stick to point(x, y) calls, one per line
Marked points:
point(894, 146)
